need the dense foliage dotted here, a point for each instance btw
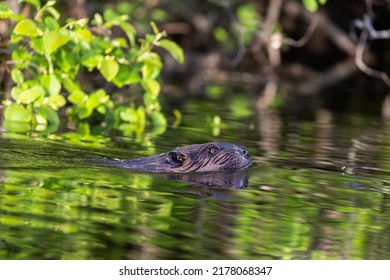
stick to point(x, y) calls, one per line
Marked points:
point(49, 57)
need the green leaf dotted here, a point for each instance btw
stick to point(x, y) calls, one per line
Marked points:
point(17, 113)
point(56, 101)
point(150, 58)
point(68, 62)
point(129, 31)
point(152, 65)
point(91, 62)
point(109, 15)
point(49, 114)
point(174, 49)
point(109, 68)
point(17, 76)
point(52, 40)
point(52, 24)
point(159, 123)
point(31, 95)
point(83, 35)
point(310, 5)
point(5, 11)
point(83, 129)
point(178, 118)
point(149, 71)
point(21, 56)
point(40, 119)
point(37, 45)
point(17, 127)
point(158, 119)
point(155, 28)
point(220, 35)
point(70, 85)
point(98, 19)
point(53, 12)
point(16, 38)
point(128, 114)
point(27, 28)
point(51, 84)
point(152, 87)
point(77, 97)
point(127, 76)
point(15, 93)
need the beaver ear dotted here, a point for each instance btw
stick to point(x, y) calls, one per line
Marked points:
point(175, 158)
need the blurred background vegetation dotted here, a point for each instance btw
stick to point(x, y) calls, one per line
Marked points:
point(301, 83)
point(79, 63)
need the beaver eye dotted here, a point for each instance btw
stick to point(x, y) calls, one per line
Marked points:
point(214, 150)
point(244, 151)
point(175, 158)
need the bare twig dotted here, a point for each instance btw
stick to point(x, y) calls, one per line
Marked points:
point(362, 66)
point(270, 21)
point(368, 32)
point(305, 38)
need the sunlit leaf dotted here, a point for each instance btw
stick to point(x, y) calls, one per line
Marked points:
point(150, 71)
point(128, 114)
point(83, 35)
point(51, 23)
point(17, 113)
point(92, 61)
point(126, 76)
point(37, 45)
point(310, 5)
point(77, 97)
point(109, 68)
point(178, 118)
point(109, 15)
point(220, 34)
point(15, 92)
point(158, 119)
point(174, 49)
point(56, 101)
point(154, 27)
point(17, 76)
point(27, 28)
point(51, 84)
point(31, 95)
point(129, 30)
point(49, 114)
point(5, 11)
point(52, 40)
point(53, 12)
point(152, 87)
point(159, 123)
point(98, 19)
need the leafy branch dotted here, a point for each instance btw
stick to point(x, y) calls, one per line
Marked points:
point(48, 60)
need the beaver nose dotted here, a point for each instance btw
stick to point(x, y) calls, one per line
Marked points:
point(244, 152)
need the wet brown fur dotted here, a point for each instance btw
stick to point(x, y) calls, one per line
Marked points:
point(208, 157)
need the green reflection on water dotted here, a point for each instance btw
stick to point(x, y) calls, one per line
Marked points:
point(54, 204)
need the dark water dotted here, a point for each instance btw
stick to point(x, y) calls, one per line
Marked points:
point(320, 190)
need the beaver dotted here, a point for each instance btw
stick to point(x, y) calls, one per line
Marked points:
point(207, 157)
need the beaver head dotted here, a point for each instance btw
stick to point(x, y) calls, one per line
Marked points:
point(208, 157)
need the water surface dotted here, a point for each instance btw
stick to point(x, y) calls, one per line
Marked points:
point(319, 190)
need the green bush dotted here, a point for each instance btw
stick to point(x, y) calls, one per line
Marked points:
point(48, 59)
